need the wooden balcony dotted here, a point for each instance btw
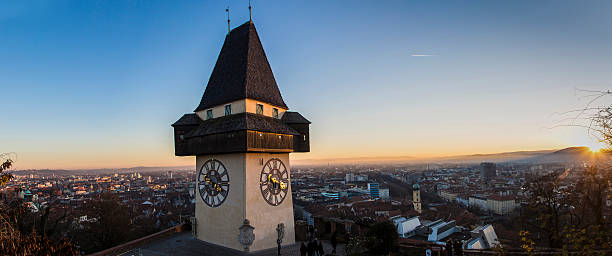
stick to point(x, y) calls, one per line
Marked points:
point(233, 142)
point(269, 142)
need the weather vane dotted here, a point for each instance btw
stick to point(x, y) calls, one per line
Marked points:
point(228, 19)
point(250, 19)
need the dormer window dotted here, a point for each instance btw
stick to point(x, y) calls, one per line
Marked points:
point(275, 112)
point(209, 114)
point(228, 109)
point(259, 109)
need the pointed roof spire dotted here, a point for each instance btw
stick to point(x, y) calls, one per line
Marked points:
point(250, 19)
point(242, 71)
point(228, 19)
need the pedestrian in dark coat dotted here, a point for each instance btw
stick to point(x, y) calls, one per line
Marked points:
point(303, 249)
point(458, 248)
point(334, 242)
point(449, 247)
point(320, 249)
point(312, 248)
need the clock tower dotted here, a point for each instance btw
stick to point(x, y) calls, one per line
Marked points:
point(241, 134)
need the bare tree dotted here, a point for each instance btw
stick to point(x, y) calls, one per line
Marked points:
point(547, 208)
point(15, 239)
point(573, 216)
point(595, 116)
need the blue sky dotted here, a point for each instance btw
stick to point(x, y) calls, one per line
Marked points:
point(98, 83)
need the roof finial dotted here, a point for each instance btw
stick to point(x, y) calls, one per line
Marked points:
point(250, 19)
point(228, 19)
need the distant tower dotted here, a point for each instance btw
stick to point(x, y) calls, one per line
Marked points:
point(169, 174)
point(487, 172)
point(241, 134)
point(416, 198)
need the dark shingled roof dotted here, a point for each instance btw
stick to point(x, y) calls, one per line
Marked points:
point(188, 119)
point(242, 71)
point(294, 118)
point(239, 122)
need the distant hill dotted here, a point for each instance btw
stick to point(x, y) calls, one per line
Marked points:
point(567, 155)
point(461, 159)
point(571, 154)
point(140, 169)
point(496, 157)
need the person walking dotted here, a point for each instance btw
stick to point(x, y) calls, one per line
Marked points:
point(311, 248)
point(309, 233)
point(320, 249)
point(334, 242)
point(315, 247)
point(458, 248)
point(303, 249)
point(449, 247)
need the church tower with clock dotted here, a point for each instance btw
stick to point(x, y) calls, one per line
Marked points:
point(241, 134)
point(416, 198)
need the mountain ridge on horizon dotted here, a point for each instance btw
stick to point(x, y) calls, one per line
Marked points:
point(107, 170)
point(569, 154)
point(413, 159)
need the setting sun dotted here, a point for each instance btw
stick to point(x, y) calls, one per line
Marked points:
point(596, 148)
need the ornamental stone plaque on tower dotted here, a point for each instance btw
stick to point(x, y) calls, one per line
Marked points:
point(242, 133)
point(246, 236)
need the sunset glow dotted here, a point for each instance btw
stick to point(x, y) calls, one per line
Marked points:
point(597, 148)
point(105, 97)
point(305, 127)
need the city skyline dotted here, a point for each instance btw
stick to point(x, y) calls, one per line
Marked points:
point(95, 85)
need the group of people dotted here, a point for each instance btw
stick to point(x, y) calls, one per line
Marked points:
point(454, 247)
point(313, 246)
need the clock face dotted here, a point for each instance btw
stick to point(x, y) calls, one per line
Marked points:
point(213, 183)
point(274, 181)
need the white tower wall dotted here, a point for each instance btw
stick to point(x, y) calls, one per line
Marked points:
point(219, 225)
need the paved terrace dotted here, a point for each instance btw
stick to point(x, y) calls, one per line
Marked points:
point(176, 241)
